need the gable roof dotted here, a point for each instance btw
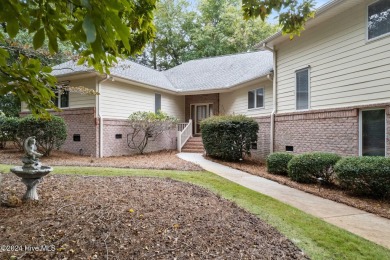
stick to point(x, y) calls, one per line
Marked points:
point(220, 72)
point(196, 75)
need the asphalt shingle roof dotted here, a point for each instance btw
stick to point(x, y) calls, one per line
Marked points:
point(69, 67)
point(203, 74)
point(140, 73)
point(220, 72)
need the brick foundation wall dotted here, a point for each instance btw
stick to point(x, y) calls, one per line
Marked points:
point(263, 138)
point(330, 130)
point(80, 121)
point(206, 98)
point(118, 147)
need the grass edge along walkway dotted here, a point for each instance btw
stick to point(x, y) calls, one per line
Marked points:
point(318, 239)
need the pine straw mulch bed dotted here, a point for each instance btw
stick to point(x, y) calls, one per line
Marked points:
point(163, 160)
point(378, 207)
point(134, 218)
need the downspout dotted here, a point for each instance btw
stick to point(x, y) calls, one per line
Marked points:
point(100, 116)
point(274, 103)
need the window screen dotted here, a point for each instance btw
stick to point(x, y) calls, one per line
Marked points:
point(157, 102)
point(256, 98)
point(302, 91)
point(260, 97)
point(378, 18)
point(65, 99)
point(374, 132)
point(251, 99)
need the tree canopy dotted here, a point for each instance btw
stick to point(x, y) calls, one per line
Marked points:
point(9, 105)
point(210, 28)
point(221, 30)
point(99, 31)
point(293, 14)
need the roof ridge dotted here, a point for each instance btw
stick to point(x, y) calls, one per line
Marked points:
point(143, 65)
point(219, 56)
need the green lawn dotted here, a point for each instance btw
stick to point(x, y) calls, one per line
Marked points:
point(317, 238)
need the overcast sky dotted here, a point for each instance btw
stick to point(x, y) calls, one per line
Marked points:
point(318, 4)
point(271, 19)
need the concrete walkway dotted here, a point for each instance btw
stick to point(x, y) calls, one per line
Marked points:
point(361, 223)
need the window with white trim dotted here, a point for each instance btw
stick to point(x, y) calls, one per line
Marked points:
point(61, 100)
point(302, 89)
point(157, 102)
point(378, 22)
point(256, 98)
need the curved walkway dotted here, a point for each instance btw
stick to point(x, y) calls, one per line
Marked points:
point(361, 223)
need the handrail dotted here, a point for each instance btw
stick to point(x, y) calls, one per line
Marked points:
point(181, 126)
point(184, 132)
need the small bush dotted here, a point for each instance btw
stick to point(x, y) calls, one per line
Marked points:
point(229, 137)
point(49, 133)
point(277, 163)
point(8, 130)
point(307, 168)
point(146, 126)
point(368, 175)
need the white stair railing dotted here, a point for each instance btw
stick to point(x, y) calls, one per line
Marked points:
point(184, 132)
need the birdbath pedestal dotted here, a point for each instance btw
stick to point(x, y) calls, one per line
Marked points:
point(31, 178)
point(32, 171)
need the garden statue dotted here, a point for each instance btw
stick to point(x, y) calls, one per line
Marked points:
point(31, 160)
point(32, 171)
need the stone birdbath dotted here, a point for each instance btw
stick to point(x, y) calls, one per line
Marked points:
point(32, 171)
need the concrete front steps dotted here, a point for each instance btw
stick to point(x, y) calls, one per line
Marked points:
point(193, 145)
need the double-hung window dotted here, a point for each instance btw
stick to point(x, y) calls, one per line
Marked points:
point(378, 22)
point(256, 98)
point(61, 100)
point(302, 89)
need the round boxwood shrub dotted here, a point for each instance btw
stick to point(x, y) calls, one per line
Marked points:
point(49, 132)
point(308, 167)
point(277, 162)
point(229, 137)
point(368, 175)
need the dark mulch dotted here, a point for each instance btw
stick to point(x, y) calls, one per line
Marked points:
point(375, 206)
point(134, 218)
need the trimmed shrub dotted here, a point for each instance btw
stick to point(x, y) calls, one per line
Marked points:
point(368, 175)
point(8, 130)
point(49, 133)
point(229, 137)
point(277, 162)
point(308, 167)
